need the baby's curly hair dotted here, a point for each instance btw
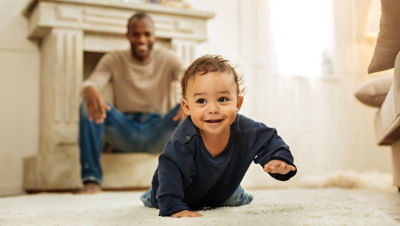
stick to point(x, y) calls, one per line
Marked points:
point(210, 63)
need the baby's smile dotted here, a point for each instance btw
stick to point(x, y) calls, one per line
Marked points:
point(214, 121)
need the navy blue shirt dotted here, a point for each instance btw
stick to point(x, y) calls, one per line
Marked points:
point(189, 177)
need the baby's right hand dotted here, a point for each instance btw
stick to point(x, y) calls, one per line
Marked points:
point(186, 213)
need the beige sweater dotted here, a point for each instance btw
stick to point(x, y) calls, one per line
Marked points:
point(149, 86)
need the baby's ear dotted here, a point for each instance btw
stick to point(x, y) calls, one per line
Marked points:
point(239, 102)
point(185, 107)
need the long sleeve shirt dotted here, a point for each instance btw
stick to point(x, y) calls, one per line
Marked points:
point(189, 177)
point(149, 86)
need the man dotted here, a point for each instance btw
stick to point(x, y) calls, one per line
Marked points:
point(142, 79)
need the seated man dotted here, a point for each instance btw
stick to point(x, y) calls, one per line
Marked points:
point(144, 116)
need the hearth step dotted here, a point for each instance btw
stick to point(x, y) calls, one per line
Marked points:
point(61, 171)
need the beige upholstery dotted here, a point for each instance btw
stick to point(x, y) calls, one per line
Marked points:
point(388, 43)
point(387, 121)
point(374, 92)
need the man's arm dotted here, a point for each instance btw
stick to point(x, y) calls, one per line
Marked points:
point(180, 115)
point(176, 69)
point(95, 104)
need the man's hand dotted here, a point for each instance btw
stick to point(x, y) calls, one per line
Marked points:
point(278, 166)
point(95, 105)
point(180, 115)
point(186, 213)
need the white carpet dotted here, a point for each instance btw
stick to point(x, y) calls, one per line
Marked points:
point(269, 207)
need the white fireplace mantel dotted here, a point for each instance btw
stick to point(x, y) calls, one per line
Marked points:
point(106, 20)
point(66, 29)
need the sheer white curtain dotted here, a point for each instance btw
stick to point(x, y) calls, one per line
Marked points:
point(302, 36)
point(318, 41)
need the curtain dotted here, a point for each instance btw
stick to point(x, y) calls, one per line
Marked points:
point(326, 128)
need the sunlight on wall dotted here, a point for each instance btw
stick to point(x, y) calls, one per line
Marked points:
point(302, 36)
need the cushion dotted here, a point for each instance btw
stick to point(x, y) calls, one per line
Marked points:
point(373, 93)
point(388, 42)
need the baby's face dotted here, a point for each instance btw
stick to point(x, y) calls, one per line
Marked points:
point(212, 102)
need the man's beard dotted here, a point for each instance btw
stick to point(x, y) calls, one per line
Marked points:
point(141, 56)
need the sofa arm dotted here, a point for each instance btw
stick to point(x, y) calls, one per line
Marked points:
point(387, 119)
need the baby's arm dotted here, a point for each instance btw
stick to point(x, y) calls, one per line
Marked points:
point(278, 166)
point(272, 153)
point(174, 168)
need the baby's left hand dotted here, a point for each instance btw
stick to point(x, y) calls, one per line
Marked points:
point(278, 166)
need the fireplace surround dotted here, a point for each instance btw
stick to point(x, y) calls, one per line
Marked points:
point(73, 34)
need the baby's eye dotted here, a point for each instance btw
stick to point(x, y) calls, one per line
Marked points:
point(222, 99)
point(201, 101)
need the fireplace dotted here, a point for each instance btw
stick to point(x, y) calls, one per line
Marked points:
point(73, 36)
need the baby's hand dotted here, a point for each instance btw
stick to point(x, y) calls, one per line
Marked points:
point(186, 213)
point(278, 166)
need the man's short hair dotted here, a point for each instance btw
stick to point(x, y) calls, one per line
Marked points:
point(139, 16)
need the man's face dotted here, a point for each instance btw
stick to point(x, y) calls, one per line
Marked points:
point(141, 38)
point(212, 102)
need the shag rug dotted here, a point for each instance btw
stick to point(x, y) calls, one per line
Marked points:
point(330, 206)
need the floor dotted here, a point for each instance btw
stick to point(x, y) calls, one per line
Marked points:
point(387, 201)
point(294, 206)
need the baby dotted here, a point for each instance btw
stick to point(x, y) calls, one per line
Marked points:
point(209, 153)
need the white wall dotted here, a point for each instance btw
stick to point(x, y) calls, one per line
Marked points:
point(222, 30)
point(19, 96)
